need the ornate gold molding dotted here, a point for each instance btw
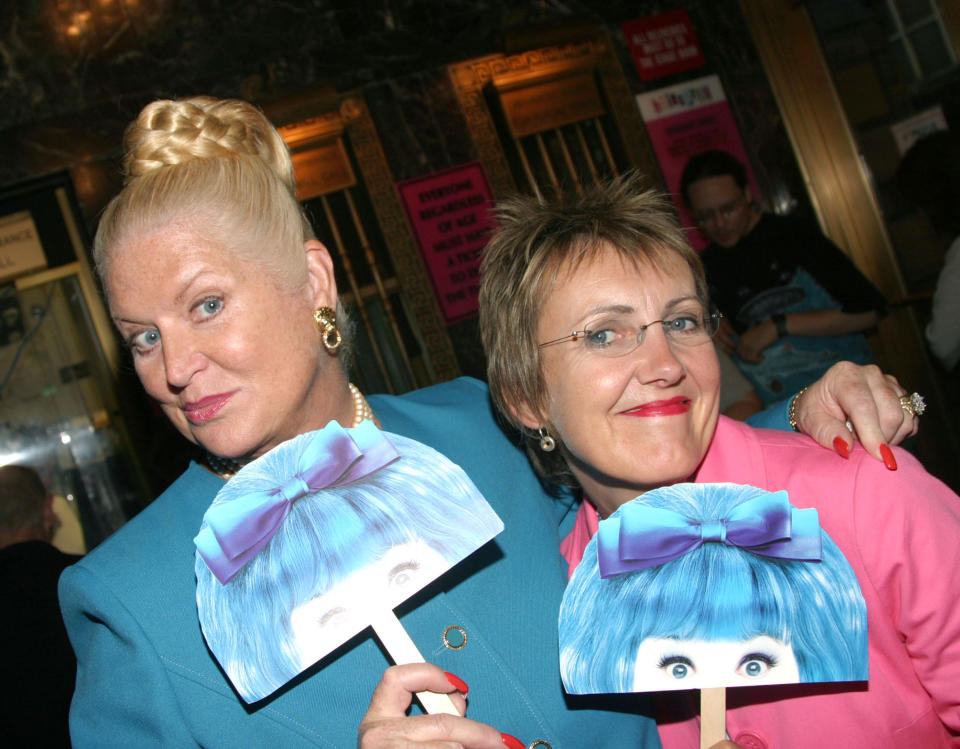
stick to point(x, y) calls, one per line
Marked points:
point(477, 79)
point(419, 300)
point(840, 190)
point(322, 128)
point(823, 143)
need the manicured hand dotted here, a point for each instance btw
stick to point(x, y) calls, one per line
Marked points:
point(864, 396)
point(386, 724)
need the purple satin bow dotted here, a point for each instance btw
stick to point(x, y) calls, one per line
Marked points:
point(236, 530)
point(639, 536)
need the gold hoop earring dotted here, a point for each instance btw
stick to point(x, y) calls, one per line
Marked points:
point(326, 321)
point(547, 443)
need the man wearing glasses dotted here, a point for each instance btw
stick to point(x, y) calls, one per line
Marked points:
point(796, 302)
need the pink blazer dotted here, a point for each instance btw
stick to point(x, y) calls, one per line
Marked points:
point(900, 531)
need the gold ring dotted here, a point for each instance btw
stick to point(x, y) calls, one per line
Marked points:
point(913, 404)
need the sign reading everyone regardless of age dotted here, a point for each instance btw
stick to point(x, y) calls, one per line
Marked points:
point(687, 119)
point(451, 219)
point(663, 44)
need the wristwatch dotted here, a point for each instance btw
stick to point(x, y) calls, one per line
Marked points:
point(780, 320)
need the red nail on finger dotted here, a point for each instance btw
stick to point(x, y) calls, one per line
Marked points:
point(458, 683)
point(842, 448)
point(888, 460)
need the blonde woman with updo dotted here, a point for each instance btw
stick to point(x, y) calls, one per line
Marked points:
point(229, 307)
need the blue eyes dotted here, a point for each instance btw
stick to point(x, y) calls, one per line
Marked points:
point(601, 337)
point(617, 337)
point(677, 666)
point(682, 324)
point(145, 340)
point(752, 665)
point(756, 664)
point(210, 307)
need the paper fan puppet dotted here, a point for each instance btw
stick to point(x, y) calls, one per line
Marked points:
point(318, 538)
point(697, 586)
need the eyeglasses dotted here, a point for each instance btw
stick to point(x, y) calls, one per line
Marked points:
point(725, 211)
point(618, 337)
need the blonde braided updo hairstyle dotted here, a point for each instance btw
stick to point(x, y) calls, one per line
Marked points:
point(171, 132)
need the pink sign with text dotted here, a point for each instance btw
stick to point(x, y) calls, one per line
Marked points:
point(449, 212)
point(687, 119)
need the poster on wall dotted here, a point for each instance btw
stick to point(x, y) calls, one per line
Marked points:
point(684, 120)
point(663, 44)
point(449, 212)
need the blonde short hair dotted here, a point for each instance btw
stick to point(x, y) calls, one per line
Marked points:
point(539, 237)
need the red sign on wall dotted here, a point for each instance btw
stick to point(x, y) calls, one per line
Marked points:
point(451, 219)
point(663, 44)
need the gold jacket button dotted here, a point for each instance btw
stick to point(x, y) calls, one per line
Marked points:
point(455, 637)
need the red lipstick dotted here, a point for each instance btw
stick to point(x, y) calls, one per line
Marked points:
point(672, 407)
point(198, 412)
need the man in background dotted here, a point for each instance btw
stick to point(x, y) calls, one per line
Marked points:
point(39, 667)
point(796, 302)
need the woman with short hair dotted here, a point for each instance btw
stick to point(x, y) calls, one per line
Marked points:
point(598, 330)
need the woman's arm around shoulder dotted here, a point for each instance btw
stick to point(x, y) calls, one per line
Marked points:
point(849, 396)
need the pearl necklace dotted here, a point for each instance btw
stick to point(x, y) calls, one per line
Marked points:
point(226, 468)
point(361, 409)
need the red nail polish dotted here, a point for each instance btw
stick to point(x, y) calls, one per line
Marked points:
point(457, 682)
point(842, 448)
point(510, 741)
point(888, 460)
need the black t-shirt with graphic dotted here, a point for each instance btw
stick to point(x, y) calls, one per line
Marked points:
point(787, 265)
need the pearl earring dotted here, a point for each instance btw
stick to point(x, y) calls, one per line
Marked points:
point(547, 443)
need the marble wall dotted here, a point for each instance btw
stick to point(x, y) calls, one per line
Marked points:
point(74, 72)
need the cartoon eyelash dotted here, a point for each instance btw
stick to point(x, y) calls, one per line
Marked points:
point(411, 565)
point(770, 660)
point(669, 660)
point(330, 614)
point(677, 666)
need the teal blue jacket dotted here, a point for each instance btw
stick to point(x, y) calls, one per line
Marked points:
point(145, 677)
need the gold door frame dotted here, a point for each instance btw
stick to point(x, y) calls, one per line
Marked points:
point(540, 67)
point(823, 143)
point(320, 125)
point(842, 196)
